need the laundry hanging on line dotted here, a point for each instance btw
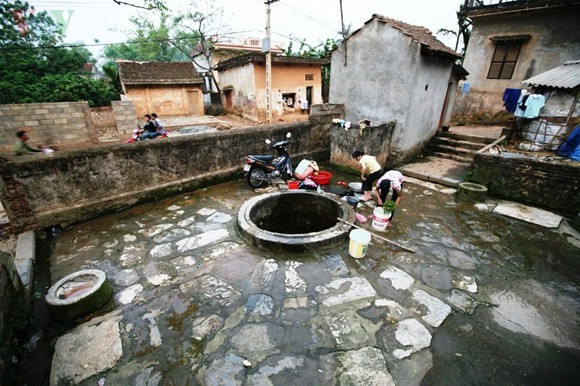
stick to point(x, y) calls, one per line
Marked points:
point(510, 98)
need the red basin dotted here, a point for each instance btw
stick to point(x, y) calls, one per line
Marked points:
point(323, 178)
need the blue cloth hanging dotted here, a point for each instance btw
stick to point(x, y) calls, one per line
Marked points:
point(570, 148)
point(510, 98)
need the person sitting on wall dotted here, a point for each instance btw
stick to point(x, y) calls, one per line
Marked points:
point(149, 129)
point(21, 147)
point(370, 172)
point(305, 168)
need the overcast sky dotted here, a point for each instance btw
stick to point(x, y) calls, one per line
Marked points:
point(313, 20)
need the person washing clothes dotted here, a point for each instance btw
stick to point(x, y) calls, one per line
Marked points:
point(390, 180)
point(305, 168)
point(21, 147)
point(370, 172)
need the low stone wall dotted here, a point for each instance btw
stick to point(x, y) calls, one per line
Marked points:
point(553, 185)
point(373, 140)
point(71, 186)
point(59, 123)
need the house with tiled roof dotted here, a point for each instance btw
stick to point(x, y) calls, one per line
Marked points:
point(389, 71)
point(167, 88)
point(294, 79)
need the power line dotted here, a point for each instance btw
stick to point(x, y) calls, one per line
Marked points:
point(310, 17)
point(16, 48)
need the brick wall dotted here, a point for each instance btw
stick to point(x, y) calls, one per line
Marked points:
point(125, 117)
point(70, 186)
point(553, 185)
point(59, 123)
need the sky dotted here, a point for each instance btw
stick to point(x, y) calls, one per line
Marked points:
point(104, 21)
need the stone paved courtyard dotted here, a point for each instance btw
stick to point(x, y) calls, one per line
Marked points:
point(486, 299)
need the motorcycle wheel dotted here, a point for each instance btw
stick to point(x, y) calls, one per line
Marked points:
point(256, 178)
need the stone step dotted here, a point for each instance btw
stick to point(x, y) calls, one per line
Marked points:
point(456, 157)
point(469, 138)
point(469, 153)
point(458, 143)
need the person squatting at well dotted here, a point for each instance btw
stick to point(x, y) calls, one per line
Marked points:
point(370, 172)
point(390, 180)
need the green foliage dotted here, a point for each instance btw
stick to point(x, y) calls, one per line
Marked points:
point(463, 32)
point(34, 69)
point(389, 206)
point(148, 42)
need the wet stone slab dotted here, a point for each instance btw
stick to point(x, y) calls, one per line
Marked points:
point(357, 367)
point(78, 355)
point(196, 305)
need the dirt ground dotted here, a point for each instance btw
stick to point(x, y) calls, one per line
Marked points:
point(105, 125)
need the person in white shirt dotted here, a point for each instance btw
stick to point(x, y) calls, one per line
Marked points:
point(305, 168)
point(391, 180)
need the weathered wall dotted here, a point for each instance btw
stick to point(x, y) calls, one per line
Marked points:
point(166, 100)
point(244, 92)
point(13, 315)
point(373, 140)
point(552, 185)
point(58, 123)
point(289, 79)
point(250, 86)
point(71, 186)
point(391, 81)
point(555, 39)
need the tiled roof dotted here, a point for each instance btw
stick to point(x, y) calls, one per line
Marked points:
point(429, 44)
point(565, 76)
point(261, 58)
point(143, 73)
point(422, 35)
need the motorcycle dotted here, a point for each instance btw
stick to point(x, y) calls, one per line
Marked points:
point(260, 169)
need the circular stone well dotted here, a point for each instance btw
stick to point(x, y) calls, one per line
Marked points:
point(294, 221)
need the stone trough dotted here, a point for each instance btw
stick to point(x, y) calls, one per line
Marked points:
point(294, 221)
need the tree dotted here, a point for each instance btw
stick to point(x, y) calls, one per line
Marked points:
point(34, 68)
point(148, 42)
point(463, 29)
point(196, 32)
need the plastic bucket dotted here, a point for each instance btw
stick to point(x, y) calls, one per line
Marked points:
point(293, 185)
point(380, 219)
point(359, 243)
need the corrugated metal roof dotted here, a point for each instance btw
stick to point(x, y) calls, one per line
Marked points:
point(565, 76)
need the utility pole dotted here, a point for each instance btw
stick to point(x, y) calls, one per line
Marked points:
point(267, 47)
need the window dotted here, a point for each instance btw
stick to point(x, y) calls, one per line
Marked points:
point(504, 59)
point(309, 77)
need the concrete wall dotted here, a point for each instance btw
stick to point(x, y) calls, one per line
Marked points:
point(166, 99)
point(58, 123)
point(526, 179)
point(387, 79)
point(555, 39)
point(71, 186)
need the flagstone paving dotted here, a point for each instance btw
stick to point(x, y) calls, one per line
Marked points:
point(193, 304)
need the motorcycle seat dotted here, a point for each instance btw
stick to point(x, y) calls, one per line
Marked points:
point(265, 158)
